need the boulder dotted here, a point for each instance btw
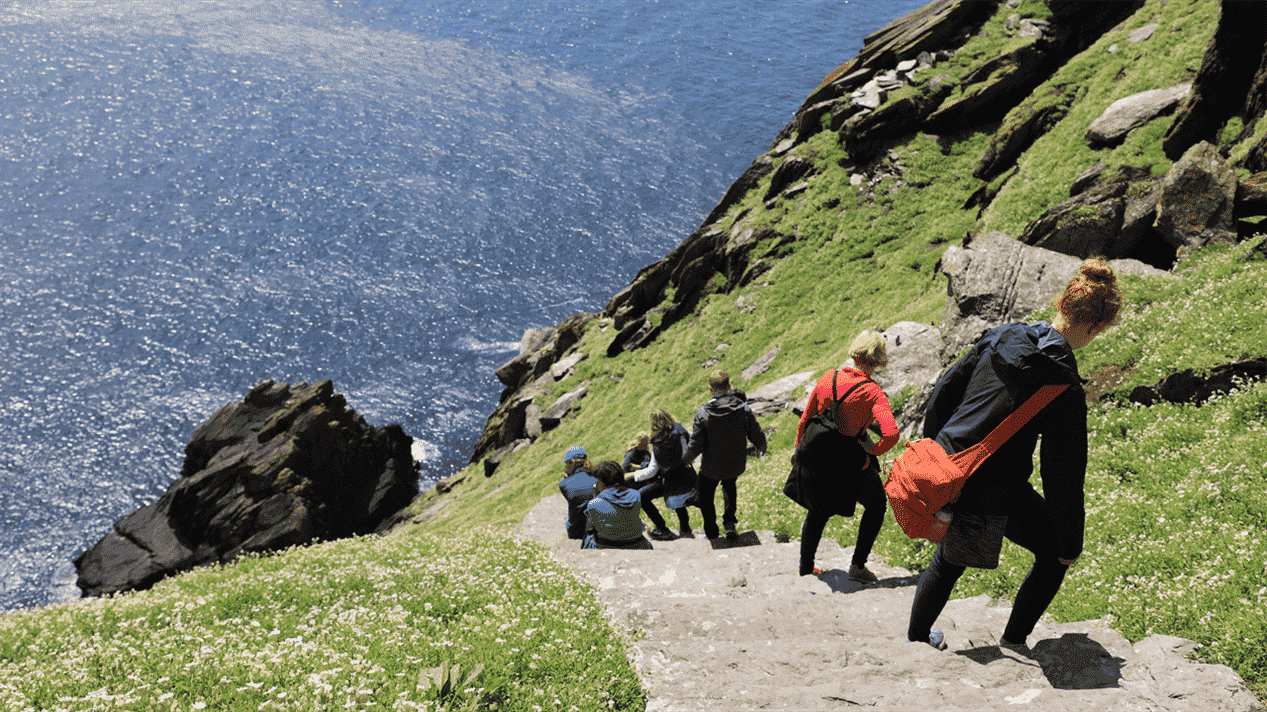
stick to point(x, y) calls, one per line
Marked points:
point(782, 394)
point(1091, 221)
point(1021, 128)
point(995, 279)
point(792, 169)
point(914, 357)
point(288, 465)
point(1195, 204)
point(1131, 112)
point(939, 24)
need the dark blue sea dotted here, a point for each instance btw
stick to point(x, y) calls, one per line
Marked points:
point(198, 195)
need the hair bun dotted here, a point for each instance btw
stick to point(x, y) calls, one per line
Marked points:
point(1097, 270)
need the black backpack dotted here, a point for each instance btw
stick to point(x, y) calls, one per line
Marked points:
point(823, 476)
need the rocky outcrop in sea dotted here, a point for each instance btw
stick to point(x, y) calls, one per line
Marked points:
point(287, 465)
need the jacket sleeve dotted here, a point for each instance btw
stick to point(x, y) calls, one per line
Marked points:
point(699, 437)
point(646, 473)
point(1063, 464)
point(883, 415)
point(754, 431)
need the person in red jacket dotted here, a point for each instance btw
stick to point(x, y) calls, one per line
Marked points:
point(865, 405)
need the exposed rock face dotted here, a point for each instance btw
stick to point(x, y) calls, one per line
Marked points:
point(1232, 80)
point(1189, 387)
point(1108, 214)
point(996, 279)
point(545, 356)
point(1197, 197)
point(288, 465)
point(1131, 112)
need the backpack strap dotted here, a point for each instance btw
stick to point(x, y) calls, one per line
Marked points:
point(835, 402)
point(977, 454)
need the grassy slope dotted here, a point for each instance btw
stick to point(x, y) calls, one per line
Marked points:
point(1173, 533)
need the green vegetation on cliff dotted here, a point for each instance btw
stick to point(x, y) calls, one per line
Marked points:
point(1175, 502)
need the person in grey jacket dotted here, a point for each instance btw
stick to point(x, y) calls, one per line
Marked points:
point(722, 429)
point(613, 514)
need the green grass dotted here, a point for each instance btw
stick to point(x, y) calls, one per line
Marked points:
point(1175, 502)
point(1174, 492)
point(349, 624)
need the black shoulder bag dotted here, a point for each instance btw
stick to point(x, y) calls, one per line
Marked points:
point(821, 477)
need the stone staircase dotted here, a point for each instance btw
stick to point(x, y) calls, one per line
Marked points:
point(722, 626)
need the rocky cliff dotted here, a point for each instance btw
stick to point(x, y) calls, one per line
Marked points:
point(915, 80)
point(287, 465)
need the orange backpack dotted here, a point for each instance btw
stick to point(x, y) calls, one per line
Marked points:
point(924, 478)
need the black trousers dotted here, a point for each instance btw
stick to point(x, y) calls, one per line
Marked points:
point(653, 490)
point(1028, 526)
point(871, 496)
point(708, 507)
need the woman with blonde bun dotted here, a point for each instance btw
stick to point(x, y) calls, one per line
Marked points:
point(1007, 365)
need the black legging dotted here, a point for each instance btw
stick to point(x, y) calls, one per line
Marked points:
point(1027, 525)
point(871, 496)
point(652, 490)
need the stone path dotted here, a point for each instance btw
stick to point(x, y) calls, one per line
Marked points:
point(735, 628)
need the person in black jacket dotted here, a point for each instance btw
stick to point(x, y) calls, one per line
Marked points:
point(723, 427)
point(666, 475)
point(1008, 364)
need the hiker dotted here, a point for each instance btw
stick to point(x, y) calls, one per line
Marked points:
point(613, 514)
point(1005, 367)
point(864, 405)
point(721, 427)
point(578, 488)
point(666, 475)
point(639, 453)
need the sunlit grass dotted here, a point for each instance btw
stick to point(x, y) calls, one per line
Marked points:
point(345, 625)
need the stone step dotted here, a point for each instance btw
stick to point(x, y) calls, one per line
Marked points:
point(733, 627)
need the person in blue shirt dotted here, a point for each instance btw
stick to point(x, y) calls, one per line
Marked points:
point(613, 514)
point(578, 487)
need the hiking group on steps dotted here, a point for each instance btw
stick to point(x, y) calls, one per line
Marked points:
point(1007, 365)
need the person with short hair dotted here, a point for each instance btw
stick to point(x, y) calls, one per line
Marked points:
point(578, 489)
point(613, 514)
point(666, 475)
point(1007, 365)
point(723, 426)
point(864, 405)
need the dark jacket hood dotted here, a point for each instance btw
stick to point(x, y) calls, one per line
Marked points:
point(1031, 355)
point(625, 498)
point(726, 403)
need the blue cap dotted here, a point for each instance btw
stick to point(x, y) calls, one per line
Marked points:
point(574, 452)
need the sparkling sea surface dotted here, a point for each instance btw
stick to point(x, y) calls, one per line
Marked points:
point(196, 196)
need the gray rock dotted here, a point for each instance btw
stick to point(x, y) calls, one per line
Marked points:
point(914, 357)
point(564, 366)
point(1140, 34)
point(780, 395)
point(761, 365)
point(997, 279)
point(1090, 222)
point(1129, 113)
point(1196, 199)
point(565, 403)
point(287, 465)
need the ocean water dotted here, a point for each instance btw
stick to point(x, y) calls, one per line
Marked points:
point(198, 195)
